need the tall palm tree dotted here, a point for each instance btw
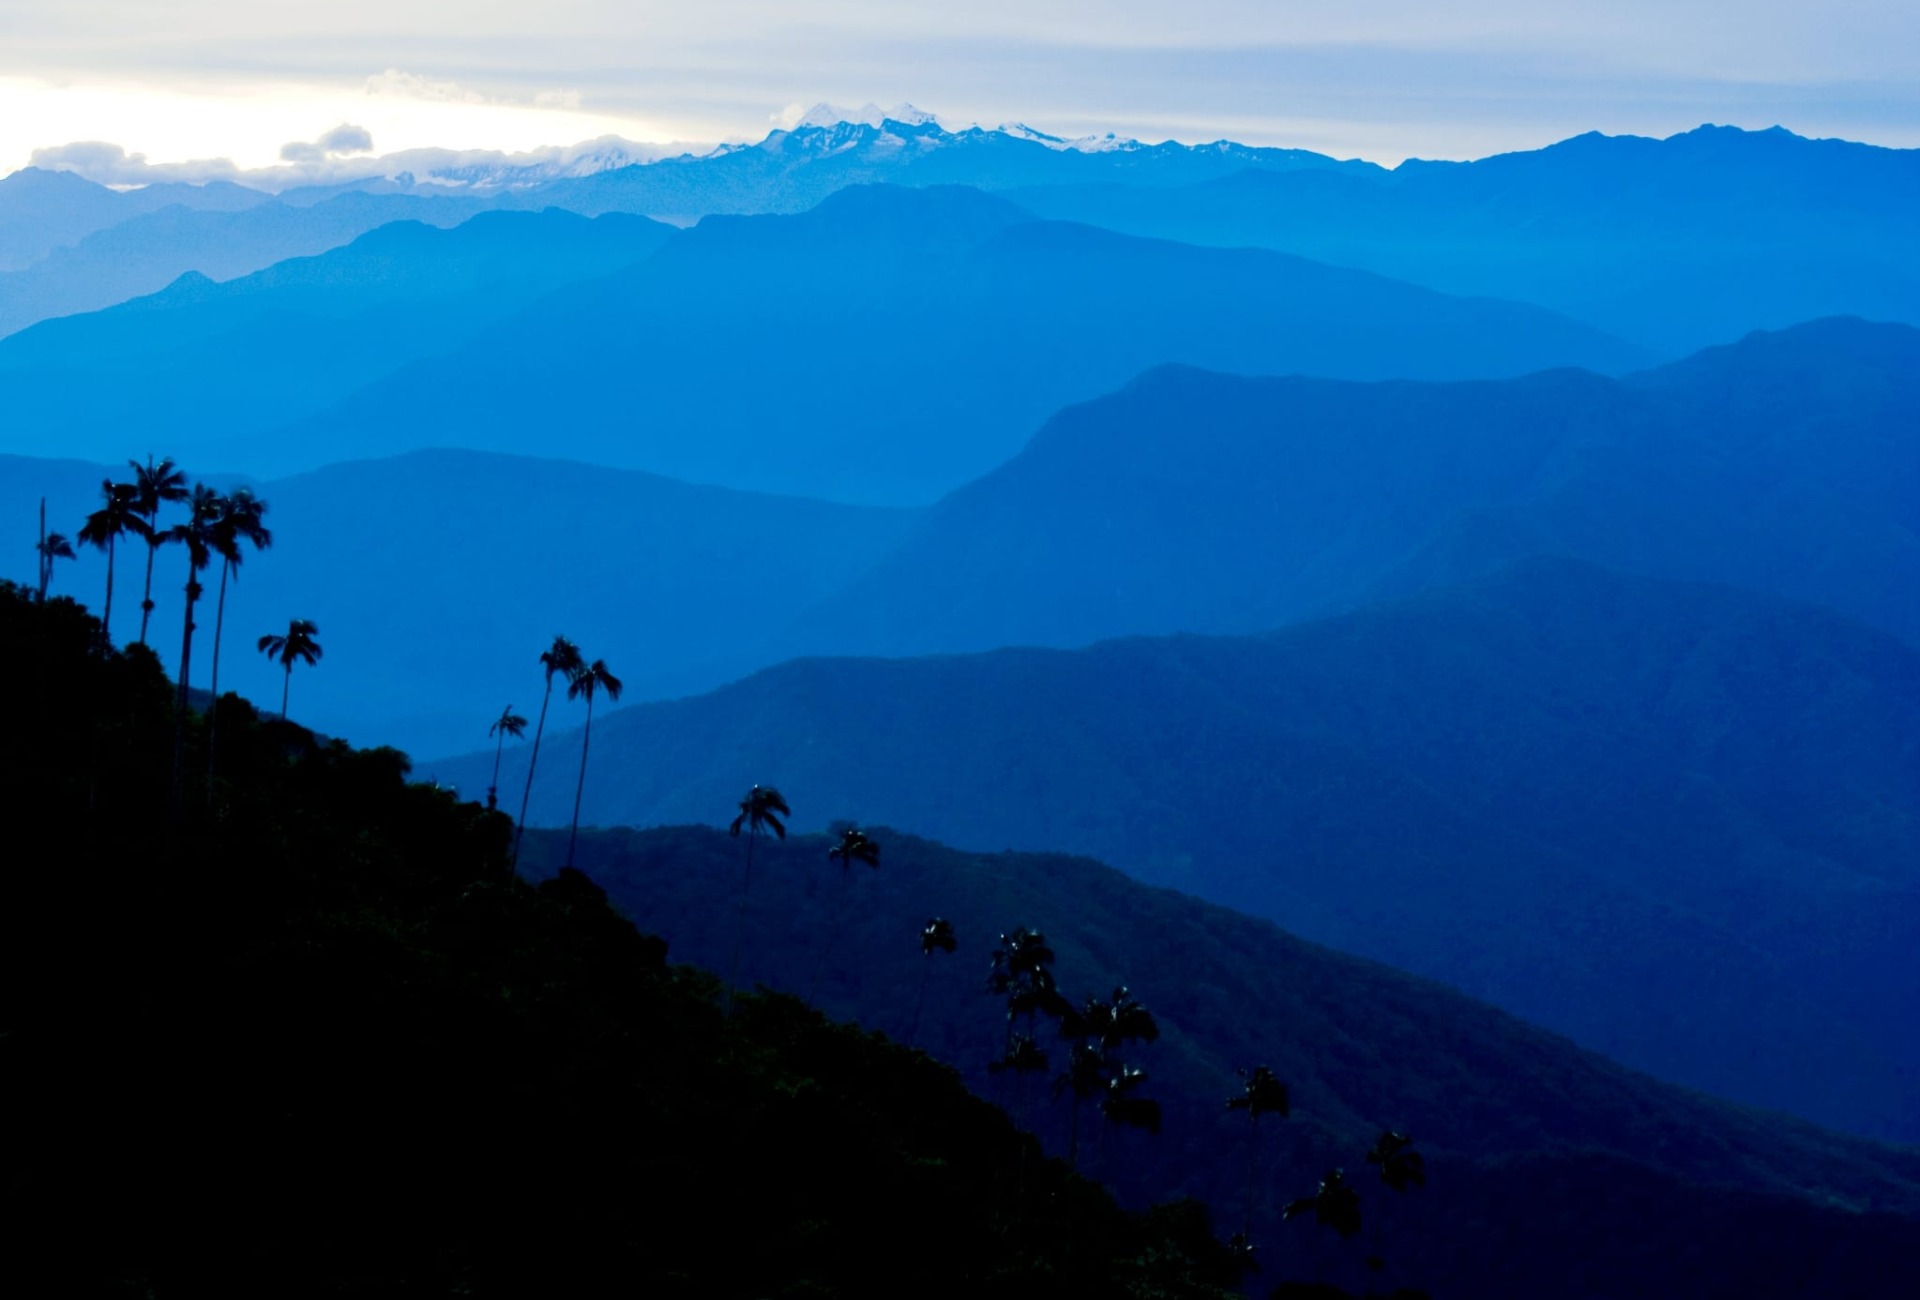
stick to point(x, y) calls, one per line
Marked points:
point(854, 845)
point(1334, 1204)
point(154, 486)
point(51, 546)
point(1261, 1093)
point(1085, 1077)
point(935, 936)
point(761, 809)
point(196, 536)
point(117, 516)
point(586, 683)
point(299, 645)
point(1121, 1107)
point(1022, 973)
point(507, 724)
point(236, 523)
point(561, 659)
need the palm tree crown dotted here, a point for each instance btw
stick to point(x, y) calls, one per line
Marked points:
point(299, 645)
point(54, 546)
point(762, 808)
point(855, 846)
point(1261, 1093)
point(507, 724)
point(937, 933)
point(154, 486)
point(561, 659)
point(584, 684)
point(118, 515)
point(1399, 1165)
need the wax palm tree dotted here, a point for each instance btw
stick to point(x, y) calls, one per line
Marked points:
point(1334, 1204)
point(761, 809)
point(1120, 1020)
point(196, 537)
point(588, 682)
point(507, 724)
point(299, 645)
point(854, 845)
point(1261, 1093)
point(1400, 1167)
point(1025, 1058)
point(561, 659)
point(117, 516)
point(51, 547)
point(154, 486)
point(237, 524)
point(1085, 1078)
point(935, 936)
point(1021, 971)
point(1121, 1106)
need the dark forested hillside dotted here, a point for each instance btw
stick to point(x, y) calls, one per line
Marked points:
point(298, 1034)
point(1675, 822)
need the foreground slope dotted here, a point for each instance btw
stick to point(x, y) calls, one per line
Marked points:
point(1191, 502)
point(1560, 1155)
point(892, 344)
point(1677, 823)
point(302, 1036)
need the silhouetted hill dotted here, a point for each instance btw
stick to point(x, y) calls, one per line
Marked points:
point(1192, 502)
point(229, 360)
point(437, 579)
point(1677, 823)
point(149, 250)
point(1675, 243)
point(895, 343)
point(1597, 1181)
point(302, 1034)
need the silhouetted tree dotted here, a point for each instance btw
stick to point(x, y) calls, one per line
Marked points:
point(50, 547)
point(1025, 1058)
point(561, 659)
point(196, 538)
point(761, 809)
point(935, 936)
point(1334, 1204)
point(854, 845)
point(1021, 971)
point(237, 523)
point(1121, 1107)
point(299, 645)
point(154, 486)
point(507, 724)
point(1085, 1078)
point(585, 684)
point(1261, 1093)
point(117, 516)
point(1400, 1167)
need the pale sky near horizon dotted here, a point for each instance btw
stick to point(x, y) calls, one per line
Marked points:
point(1381, 79)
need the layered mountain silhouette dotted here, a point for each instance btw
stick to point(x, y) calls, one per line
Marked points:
point(1675, 244)
point(1519, 1126)
point(42, 210)
point(149, 250)
point(1192, 502)
point(893, 343)
point(437, 579)
point(293, 338)
point(1675, 822)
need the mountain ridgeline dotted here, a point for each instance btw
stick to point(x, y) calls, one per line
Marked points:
point(1677, 823)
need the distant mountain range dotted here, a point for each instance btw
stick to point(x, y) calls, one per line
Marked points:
point(1675, 244)
point(892, 344)
point(1678, 823)
point(1625, 1186)
point(250, 354)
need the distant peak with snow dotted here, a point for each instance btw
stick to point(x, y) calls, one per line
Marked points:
point(830, 115)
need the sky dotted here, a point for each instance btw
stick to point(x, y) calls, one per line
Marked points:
point(262, 82)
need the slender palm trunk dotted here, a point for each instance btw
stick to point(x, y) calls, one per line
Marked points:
point(106, 611)
point(740, 924)
point(533, 759)
point(493, 790)
point(41, 552)
point(586, 739)
point(286, 687)
point(920, 1000)
point(213, 710)
point(146, 592)
point(1253, 1135)
point(180, 697)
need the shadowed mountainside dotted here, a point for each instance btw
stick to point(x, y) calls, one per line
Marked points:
point(1677, 823)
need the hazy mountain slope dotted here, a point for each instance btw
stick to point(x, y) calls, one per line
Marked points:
point(43, 210)
point(1521, 1128)
point(1678, 823)
point(894, 343)
point(295, 337)
point(1675, 243)
point(1202, 503)
point(145, 253)
point(438, 578)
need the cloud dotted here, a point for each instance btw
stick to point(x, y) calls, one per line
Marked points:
point(407, 85)
point(111, 164)
point(342, 141)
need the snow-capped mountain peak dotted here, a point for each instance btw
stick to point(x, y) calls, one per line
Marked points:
point(830, 115)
